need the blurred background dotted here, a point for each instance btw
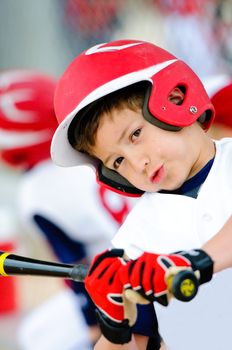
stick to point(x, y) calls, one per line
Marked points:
point(46, 35)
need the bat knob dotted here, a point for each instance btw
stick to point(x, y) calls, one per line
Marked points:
point(185, 285)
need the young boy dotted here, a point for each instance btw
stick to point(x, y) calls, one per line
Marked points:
point(139, 115)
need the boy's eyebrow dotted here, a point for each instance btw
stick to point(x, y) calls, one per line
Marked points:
point(123, 134)
point(118, 141)
point(106, 160)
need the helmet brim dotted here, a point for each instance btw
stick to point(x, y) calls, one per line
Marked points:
point(62, 153)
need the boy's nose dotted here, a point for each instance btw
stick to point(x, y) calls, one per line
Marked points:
point(139, 163)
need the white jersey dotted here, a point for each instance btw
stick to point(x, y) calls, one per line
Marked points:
point(165, 223)
point(72, 200)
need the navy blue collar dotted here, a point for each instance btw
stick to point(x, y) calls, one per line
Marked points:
point(191, 186)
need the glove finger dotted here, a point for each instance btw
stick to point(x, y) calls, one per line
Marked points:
point(135, 270)
point(107, 254)
point(111, 276)
point(124, 274)
point(111, 292)
point(104, 277)
point(99, 270)
point(159, 281)
point(148, 278)
point(106, 291)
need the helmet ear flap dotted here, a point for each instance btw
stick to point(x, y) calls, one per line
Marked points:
point(204, 119)
point(112, 179)
point(151, 118)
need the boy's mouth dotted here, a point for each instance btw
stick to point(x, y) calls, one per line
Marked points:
point(157, 175)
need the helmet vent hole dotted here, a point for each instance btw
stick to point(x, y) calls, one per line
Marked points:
point(177, 95)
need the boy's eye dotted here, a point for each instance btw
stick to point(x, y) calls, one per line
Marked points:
point(117, 162)
point(136, 133)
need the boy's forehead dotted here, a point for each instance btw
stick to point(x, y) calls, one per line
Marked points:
point(114, 124)
point(112, 130)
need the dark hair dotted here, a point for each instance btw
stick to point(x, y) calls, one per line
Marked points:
point(83, 128)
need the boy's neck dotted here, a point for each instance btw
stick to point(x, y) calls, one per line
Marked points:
point(192, 186)
point(207, 152)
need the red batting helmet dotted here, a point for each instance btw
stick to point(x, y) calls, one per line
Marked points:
point(108, 67)
point(27, 118)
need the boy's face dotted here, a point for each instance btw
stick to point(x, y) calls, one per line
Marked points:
point(150, 158)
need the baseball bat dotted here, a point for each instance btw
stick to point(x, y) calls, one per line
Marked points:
point(182, 284)
point(11, 264)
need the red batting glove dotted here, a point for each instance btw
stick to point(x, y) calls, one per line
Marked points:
point(147, 275)
point(105, 288)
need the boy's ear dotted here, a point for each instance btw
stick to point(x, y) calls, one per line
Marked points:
point(176, 96)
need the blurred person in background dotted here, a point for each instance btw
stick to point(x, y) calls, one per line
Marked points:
point(223, 29)
point(196, 31)
point(76, 217)
point(220, 91)
point(191, 34)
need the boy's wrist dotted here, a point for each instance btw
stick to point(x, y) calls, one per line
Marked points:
point(117, 333)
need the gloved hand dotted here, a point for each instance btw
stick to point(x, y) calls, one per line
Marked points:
point(106, 290)
point(148, 275)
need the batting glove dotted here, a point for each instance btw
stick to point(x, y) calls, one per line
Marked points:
point(106, 290)
point(148, 275)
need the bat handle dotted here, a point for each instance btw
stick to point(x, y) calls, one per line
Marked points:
point(183, 285)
